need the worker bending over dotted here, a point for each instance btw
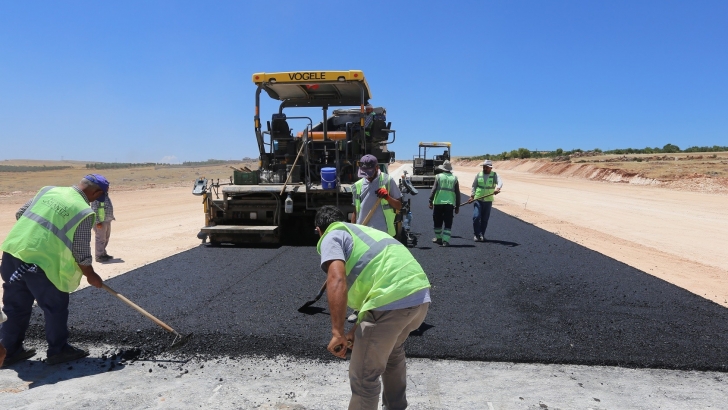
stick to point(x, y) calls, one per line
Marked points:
point(44, 256)
point(375, 274)
point(444, 199)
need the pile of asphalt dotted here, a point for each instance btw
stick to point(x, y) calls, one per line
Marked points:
point(525, 295)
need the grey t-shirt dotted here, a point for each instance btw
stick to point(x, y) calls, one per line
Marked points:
point(369, 198)
point(338, 244)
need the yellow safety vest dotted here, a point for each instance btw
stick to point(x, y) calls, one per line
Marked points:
point(485, 187)
point(379, 271)
point(445, 194)
point(389, 212)
point(44, 235)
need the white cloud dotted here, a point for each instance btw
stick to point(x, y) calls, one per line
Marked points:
point(170, 159)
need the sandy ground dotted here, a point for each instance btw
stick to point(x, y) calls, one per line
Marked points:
point(675, 235)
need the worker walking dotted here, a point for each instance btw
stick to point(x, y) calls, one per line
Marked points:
point(104, 211)
point(444, 199)
point(486, 185)
point(375, 186)
point(375, 274)
point(44, 256)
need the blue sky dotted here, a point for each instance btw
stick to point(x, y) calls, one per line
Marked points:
point(170, 81)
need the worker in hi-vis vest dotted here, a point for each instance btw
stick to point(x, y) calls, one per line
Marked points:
point(444, 199)
point(375, 186)
point(375, 274)
point(485, 186)
point(44, 256)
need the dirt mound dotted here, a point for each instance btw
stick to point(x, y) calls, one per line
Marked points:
point(609, 173)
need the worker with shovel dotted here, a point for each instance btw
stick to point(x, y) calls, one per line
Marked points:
point(375, 186)
point(44, 256)
point(375, 274)
point(485, 186)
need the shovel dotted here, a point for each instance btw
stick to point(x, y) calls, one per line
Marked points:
point(178, 341)
point(470, 201)
point(323, 287)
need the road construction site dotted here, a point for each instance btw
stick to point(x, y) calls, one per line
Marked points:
point(528, 319)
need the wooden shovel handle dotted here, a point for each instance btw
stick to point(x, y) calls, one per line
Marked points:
point(139, 309)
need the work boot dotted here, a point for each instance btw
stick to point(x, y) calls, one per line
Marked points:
point(437, 241)
point(19, 356)
point(67, 354)
point(476, 238)
point(108, 256)
point(482, 238)
point(445, 244)
point(352, 317)
point(103, 258)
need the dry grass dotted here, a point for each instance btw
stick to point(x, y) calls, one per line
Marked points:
point(664, 167)
point(121, 179)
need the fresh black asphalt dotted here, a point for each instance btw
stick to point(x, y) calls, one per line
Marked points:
point(526, 295)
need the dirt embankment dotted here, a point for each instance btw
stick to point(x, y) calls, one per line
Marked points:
point(617, 172)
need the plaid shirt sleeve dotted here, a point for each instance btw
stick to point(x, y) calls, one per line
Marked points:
point(82, 238)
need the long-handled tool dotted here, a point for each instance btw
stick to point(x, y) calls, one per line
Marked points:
point(470, 201)
point(323, 287)
point(314, 300)
point(178, 341)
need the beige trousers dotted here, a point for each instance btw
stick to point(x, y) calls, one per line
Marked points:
point(102, 237)
point(378, 351)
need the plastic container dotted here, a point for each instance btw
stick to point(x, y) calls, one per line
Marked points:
point(289, 204)
point(328, 178)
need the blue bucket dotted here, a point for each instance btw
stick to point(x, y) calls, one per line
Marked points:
point(328, 178)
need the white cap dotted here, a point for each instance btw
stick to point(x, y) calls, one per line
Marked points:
point(487, 163)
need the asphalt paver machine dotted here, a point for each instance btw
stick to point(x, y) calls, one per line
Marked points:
point(302, 171)
point(424, 167)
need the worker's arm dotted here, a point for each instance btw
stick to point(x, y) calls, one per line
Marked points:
point(457, 196)
point(336, 294)
point(91, 276)
point(353, 217)
point(395, 203)
point(395, 196)
point(22, 209)
point(435, 187)
point(498, 183)
point(474, 187)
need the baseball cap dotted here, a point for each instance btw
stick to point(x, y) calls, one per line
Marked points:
point(367, 166)
point(487, 163)
point(101, 181)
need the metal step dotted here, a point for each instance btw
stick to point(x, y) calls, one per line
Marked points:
point(240, 229)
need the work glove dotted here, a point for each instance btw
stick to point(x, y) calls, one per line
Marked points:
point(383, 193)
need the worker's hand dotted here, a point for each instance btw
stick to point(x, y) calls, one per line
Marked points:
point(457, 211)
point(472, 198)
point(431, 206)
point(338, 346)
point(94, 280)
point(383, 193)
point(497, 191)
point(98, 226)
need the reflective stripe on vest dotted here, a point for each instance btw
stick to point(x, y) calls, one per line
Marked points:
point(389, 212)
point(43, 235)
point(485, 187)
point(445, 194)
point(379, 270)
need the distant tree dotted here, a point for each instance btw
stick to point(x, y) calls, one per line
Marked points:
point(670, 149)
point(524, 153)
point(559, 151)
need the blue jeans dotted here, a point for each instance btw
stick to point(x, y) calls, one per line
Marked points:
point(481, 214)
point(18, 305)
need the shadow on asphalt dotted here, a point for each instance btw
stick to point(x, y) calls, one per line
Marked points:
point(504, 243)
point(38, 374)
point(421, 330)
